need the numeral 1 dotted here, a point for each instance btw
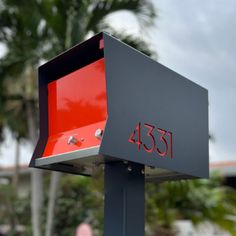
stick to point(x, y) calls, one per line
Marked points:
point(171, 146)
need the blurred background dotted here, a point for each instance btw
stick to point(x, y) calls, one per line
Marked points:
point(194, 38)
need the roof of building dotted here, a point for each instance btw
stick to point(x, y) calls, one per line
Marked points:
point(7, 171)
point(226, 168)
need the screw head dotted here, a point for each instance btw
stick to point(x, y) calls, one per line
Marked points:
point(99, 133)
point(129, 168)
point(72, 140)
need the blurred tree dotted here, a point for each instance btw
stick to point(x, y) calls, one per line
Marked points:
point(70, 212)
point(195, 200)
point(7, 211)
point(34, 31)
point(19, 34)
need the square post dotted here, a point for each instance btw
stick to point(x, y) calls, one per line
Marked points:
point(124, 199)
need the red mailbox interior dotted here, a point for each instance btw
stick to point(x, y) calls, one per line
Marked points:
point(77, 106)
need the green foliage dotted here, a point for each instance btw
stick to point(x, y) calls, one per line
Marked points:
point(7, 197)
point(195, 200)
point(79, 200)
point(23, 212)
point(38, 30)
point(13, 210)
point(34, 31)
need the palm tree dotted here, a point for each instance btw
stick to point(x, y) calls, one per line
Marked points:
point(34, 31)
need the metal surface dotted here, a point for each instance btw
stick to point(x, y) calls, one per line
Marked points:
point(69, 156)
point(77, 99)
point(124, 200)
point(86, 161)
point(147, 113)
point(146, 100)
point(77, 106)
point(98, 133)
point(120, 109)
point(72, 140)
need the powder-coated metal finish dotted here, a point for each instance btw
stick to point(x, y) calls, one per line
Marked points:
point(150, 114)
point(141, 90)
point(124, 199)
point(104, 103)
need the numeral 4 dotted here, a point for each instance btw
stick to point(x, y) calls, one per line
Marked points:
point(138, 131)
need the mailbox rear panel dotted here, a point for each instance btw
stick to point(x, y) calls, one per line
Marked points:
point(77, 107)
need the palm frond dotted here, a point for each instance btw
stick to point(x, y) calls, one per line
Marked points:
point(136, 43)
point(142, 9)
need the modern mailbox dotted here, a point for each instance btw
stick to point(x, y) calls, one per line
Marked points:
point(103, 101)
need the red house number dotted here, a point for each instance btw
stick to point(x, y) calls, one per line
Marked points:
point(163, 146)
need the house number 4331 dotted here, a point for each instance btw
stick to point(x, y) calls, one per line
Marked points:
point(158, 140)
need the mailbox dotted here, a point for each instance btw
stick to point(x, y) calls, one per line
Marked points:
point(103, 101)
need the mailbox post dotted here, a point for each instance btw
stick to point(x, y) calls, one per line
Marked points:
point(104, 103)
point(124, 199)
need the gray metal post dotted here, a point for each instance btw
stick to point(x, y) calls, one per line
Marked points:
point(124, 199)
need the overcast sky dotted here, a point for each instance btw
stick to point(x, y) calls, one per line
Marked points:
point(198, 40)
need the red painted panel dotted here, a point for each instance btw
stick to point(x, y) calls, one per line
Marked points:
point(57, 144)
point(77, 106)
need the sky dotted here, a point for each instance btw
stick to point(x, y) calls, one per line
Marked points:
point(197, 39)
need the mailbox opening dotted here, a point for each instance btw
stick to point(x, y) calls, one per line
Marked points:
point(77, 108)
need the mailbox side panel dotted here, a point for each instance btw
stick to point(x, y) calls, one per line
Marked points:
point(155, 116)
